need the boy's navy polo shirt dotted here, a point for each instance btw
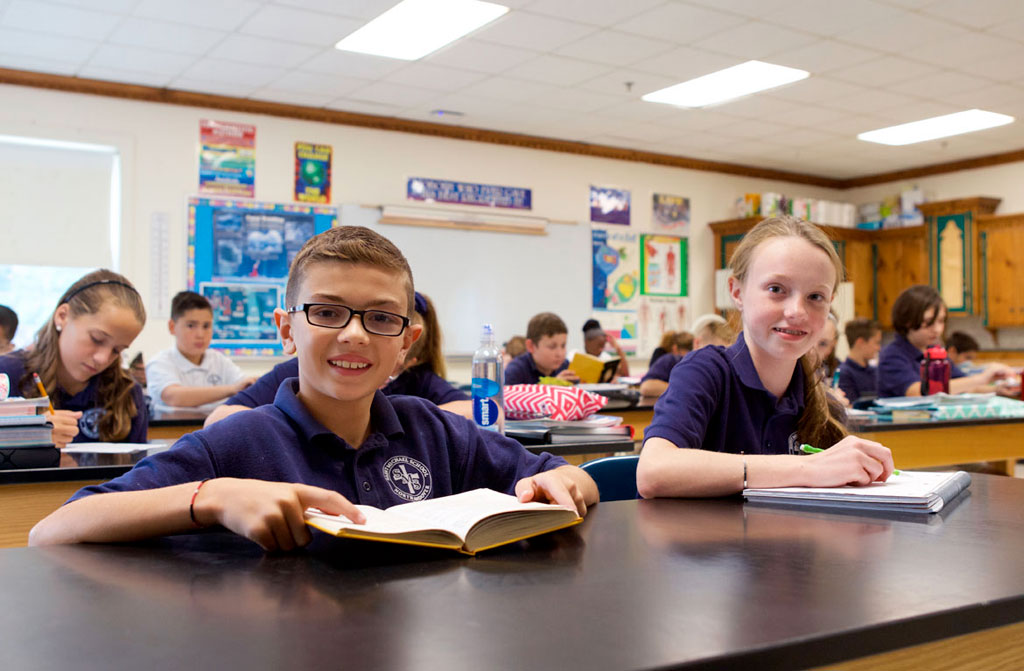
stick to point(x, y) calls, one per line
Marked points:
point(662, 368)
point(857, 381)
point(522, 370)
point(85, 401)
point(899, 366)
point(715, 401)
point(416, 381)
point(415, 451)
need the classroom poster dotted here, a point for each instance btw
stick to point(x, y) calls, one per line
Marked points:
point(670, 214)
point(239, 252)
point(227, 158)
point(466, 193)
point(663, 265)
point(657, 315)
point(621, 325)
point(616, 264)
point(312, 172)
point(609, 206)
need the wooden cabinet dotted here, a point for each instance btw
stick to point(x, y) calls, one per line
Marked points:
point(1001, 246)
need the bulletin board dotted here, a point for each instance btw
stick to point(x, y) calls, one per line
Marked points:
point(239, 252)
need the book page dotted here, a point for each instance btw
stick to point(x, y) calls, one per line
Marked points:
point(459, 512)
point(377, 521)
point(108, 448)
point(908, 486)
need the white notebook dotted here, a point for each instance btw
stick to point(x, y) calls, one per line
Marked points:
point(910, 491)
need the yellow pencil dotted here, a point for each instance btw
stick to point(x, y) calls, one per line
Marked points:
point(42, 389)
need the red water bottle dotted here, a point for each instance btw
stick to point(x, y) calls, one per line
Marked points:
point(935, 371)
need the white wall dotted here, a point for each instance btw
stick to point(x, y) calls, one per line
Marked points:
point(158, 144)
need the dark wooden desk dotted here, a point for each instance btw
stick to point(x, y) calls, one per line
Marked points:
point(639, 585)
point(173, 424)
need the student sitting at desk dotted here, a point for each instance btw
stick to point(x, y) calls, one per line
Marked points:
point(8, 327)
point(735, 417)
point(961, 349)
point(919, 318)
point(655, 381)
point(857, 377)
point(190, 374)
point(421, 374)
point(77, 355)
point(594, 341)
point(545, 352)
point(331, 439)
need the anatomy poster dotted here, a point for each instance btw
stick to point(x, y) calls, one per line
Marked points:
point(663, 265)
point(656, 316)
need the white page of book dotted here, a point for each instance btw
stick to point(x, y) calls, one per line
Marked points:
point(460, 512)
point(377, 521)
point(906, 485)
point(108, 448)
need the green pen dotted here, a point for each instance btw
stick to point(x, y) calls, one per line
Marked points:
point(807, 449)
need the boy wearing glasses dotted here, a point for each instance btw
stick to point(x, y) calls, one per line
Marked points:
point(330, 439)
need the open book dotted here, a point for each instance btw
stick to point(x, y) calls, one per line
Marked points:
point(468, 522)
point(591, 369)
point(910, 491)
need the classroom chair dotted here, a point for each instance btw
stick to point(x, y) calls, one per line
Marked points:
point(615, 477)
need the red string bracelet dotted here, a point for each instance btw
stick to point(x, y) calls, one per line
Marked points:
point(192, 504)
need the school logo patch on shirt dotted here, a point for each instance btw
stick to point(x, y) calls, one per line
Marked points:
point(408, 478)
point(213, 379)
point(89, 423)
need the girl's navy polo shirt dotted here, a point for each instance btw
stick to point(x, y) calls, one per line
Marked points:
point(415, 451)
point(899, 366)
point(416, 381)
point(662, 368)
point(86, 401)
point(857, 381)
point(715, 401)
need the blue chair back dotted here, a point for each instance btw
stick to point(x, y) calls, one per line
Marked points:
point(615, 477)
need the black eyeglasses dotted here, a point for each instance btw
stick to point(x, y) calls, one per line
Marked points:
point(333, 316)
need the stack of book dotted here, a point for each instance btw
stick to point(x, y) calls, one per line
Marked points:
point(593, 429)
point(26, 436)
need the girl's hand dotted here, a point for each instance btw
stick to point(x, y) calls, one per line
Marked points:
point(851, 461)
point(552, 487)
point(65, 426)
point(268, 513)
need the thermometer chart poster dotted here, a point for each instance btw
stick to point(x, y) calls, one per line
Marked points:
point(239, 252)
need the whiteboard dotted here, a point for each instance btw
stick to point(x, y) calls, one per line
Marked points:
point(477, 277)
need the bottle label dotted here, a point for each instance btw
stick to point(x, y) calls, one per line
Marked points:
point(485, 411)
point(484, 387)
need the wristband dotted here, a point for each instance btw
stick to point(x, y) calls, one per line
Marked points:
point(192, 503)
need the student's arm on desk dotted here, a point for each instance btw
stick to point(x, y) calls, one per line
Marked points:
point(653, 388)
point(463, 408)
point(970, 383)
point(566, 485)
point(665, 470)
point(180, 396)
point(222, 411)
point(268, 513)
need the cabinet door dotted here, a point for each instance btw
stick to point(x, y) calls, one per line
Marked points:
point(860, 270)
point(1001, 251)
point(899, 263)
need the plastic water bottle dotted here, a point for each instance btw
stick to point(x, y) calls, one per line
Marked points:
point(488, 384)
point(935, 371)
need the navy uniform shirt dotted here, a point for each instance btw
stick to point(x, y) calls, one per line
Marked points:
point(522, 370)
point(899, 366)
point(715, 401)
point(662, 368)
point(86, 401)
point(415, 451)
point(655, 355)
point(416, 381)
point(857, 381)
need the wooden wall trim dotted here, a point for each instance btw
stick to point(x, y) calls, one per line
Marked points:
point(232, 104)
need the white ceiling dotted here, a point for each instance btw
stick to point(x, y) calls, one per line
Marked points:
point(559, 68)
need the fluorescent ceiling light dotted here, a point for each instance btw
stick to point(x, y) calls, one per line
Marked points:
point(735, 82)
point(936, 127)
point(414, 28)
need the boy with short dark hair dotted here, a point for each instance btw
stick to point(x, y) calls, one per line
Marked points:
point(961, 348)
point(190, 374)
point(546, 336)
point(857, 377)
point(8, 327)
point(331, 439)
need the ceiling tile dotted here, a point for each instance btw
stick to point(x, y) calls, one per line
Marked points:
point(247, 77)
point(470, 54)
point(359, 9)
point(824, 55)
point(346, 63)
point(976, 14)
point(141, 60)
point(817, 90)
point(638, 110)
point(472, 106)
point(434, 77)
point(746, 8)
point(54, 19)
point(753, 129)
point(802, 137)
point(47, 47)
point(215, 14)
point(113, 6)
point(755, 40)
point(221, 87)
point(902, 35)
point(679, 23)
point(943, 83)
point(296, 25)
point(576, 99)
point(37, 64)
point(274, 95)
point(593, 12)
point(830, 17)
point(364, 107)
point(966, 48)
point(1009, 70)
point(627, 84)
point(869, 101)
point(684, 63)
point(261, 51)
point(905, 113)
point(312, 83)
point(696, 120)
point(505, 88)
point(989, 98)
point(165, 36)
point(756, 107)
point(615, 48)
point(533, 31)
point(114, 74)
point(557, 70)
point(883, 71)
point(391, 94)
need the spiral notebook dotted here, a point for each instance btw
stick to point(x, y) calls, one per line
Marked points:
point(908, 492)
